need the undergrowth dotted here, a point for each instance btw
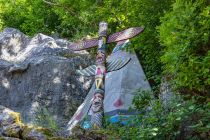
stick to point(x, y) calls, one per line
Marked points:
point(176, 120)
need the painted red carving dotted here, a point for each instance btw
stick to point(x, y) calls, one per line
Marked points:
point(118, 103)
point(98, 71)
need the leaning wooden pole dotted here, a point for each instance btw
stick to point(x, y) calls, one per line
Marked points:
point(97, 102)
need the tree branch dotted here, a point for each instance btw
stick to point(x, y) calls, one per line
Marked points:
point(59, 5)
point(50, 3)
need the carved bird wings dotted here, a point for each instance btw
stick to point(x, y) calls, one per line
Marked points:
point(116, 37)
point(111, 66)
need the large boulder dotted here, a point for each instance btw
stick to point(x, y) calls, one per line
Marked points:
point(38, 79)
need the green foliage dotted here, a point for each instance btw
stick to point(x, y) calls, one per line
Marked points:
point(185, 35)
point(147, 13)
point(175, 44)
point(142, 99)
point(45, 119)
point(122, 14)
point(29, 16)
point(177, 119)
point(183, 32)
point(75, 19)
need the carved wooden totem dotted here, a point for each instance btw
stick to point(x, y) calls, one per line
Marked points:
point(100, 71)
point(102, 66)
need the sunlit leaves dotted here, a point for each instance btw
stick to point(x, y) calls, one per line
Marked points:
point(185, 33)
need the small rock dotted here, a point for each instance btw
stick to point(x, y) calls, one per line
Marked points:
point(33, 133)
point(7, 116)
point(77, 131)
point(13, 130)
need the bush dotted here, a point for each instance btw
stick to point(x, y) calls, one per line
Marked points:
point(28, 16)
point(76, 19)
point(178, 119)
point(185, 35)
point(45, 119)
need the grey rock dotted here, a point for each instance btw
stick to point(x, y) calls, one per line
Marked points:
point(34, 135)
point(1, 132)
point(12, 130)
point(38, 74)
point(7, 117)
point(8, 138)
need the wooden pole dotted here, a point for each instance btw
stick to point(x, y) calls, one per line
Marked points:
point(97, 103)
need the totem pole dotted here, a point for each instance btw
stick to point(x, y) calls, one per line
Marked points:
point(102, 66)
point(97, 104)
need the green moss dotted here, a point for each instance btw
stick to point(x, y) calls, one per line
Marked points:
point(46, 132)
point(60, 138)
point(68, 55)
point(16, 116)
point(26, 131)
point(80, 133)
point(14, 130)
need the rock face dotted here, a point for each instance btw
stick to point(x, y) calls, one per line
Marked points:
point(10, 124)
point(8, 117)
point(13, 129)
point(37, 77)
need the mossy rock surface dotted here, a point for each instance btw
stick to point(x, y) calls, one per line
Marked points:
point(94, 134)
point(60, 138)
point(13, 130)
point(7, 116)
point(8, 138)
point(16, 117)
point(36, 133)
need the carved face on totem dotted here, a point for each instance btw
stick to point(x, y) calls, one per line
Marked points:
point(97, 104)
point(100, 58)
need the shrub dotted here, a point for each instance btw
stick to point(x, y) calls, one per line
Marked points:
point(178, 119)
point(185, 35)
point(44, 118)
point(28, 16)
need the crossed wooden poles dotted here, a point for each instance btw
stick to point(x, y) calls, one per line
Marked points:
point(102, 67)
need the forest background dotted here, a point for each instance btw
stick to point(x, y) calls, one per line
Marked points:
point(175, 46)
